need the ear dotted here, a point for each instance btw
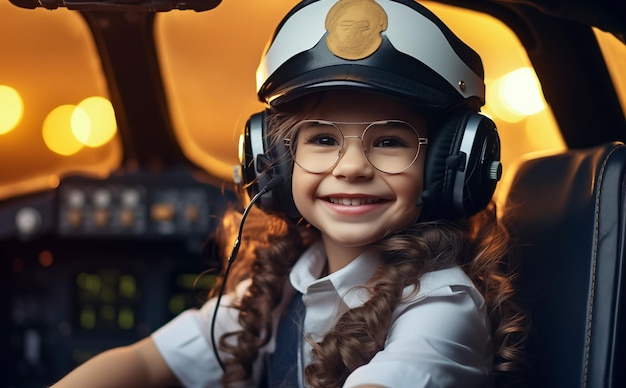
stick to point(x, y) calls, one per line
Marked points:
point(462, 167)
point(261, 162)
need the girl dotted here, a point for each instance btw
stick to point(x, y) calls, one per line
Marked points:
point(379, 261)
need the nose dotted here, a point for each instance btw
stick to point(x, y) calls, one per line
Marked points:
point(353, 163)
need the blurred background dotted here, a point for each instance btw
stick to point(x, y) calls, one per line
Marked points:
point(56, 117)
point(118, 136)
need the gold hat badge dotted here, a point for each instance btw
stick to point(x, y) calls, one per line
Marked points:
point(354, 28)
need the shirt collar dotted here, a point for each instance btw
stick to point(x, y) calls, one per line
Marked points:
point(346, 282)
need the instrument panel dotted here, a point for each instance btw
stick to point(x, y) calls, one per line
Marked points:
point(99, 263)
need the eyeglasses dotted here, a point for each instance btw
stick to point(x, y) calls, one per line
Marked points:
point(391, 146)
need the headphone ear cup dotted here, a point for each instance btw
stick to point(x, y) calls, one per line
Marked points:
point(262, 159)
point(462, 167)
point(442, 143)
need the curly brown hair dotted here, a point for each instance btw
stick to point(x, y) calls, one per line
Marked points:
point(271, 247)
point(480, 245)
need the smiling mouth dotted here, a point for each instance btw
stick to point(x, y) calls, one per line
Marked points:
point(352, 201)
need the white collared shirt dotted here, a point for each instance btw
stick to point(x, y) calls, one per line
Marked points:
point(439, 336)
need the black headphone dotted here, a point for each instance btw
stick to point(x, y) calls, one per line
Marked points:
point(463, 154)
point(261, 162)
point(461, 171)
point(462, 166)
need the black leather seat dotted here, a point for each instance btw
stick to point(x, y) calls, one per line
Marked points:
point(567, 215)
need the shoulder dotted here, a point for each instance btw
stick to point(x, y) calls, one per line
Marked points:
point(185, 341)
point(447, 305)
point(449, 282)
point(184, 347)
point(439, 337)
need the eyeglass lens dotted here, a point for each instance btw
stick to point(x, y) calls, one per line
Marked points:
point(391, 146)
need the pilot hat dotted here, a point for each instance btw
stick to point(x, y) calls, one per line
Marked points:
point(394, 47)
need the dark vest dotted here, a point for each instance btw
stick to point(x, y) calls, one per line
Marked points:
point(282, 365)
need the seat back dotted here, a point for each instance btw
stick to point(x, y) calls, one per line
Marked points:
point(566, 214)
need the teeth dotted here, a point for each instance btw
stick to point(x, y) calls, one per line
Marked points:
point(352, 201)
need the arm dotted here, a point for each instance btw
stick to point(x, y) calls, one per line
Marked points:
point(136, 365)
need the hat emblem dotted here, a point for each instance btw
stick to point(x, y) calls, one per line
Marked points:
point(354, 28)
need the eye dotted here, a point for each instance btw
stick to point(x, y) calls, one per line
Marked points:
point(319, 134)
point(322, 139)
point(391, 142)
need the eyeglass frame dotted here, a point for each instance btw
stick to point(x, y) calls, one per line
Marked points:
point(421, 141)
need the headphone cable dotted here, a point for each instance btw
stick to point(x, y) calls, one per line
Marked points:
point(271, 185)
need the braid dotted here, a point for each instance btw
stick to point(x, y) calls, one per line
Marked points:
point(494, 277)
point(338, 354)
point(361, 332)
point(271, 261)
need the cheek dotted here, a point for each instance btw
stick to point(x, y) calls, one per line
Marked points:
point(409, 192)
point(409, 189)
point(415, 184)
point(302, 188)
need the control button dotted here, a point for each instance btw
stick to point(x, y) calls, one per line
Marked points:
point(74, 218)
point(163, 212)
point(192, 214)
point(32, 346)
point(75, 198)
point(100, 218)
point(27, 220)
point(130, 197)
point(102, 198)
point(127, 218)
